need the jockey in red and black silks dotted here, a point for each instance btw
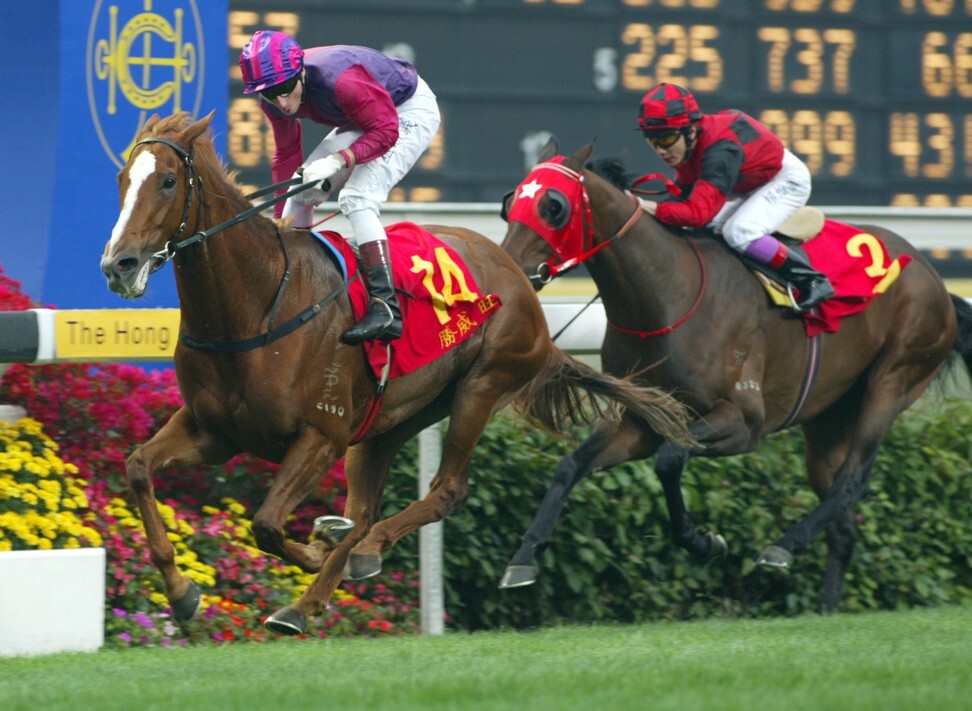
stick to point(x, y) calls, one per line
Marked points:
point(732, 154)
point(737, 178)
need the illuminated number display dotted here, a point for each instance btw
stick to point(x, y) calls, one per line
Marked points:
point(874, 95)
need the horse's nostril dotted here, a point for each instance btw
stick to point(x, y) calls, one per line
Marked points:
point(126, 265)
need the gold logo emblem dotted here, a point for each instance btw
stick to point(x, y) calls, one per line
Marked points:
point(142, 63)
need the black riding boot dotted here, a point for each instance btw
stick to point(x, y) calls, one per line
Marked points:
point(383, 319)
point(813, 287)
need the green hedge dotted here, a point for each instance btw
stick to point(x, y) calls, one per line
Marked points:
point(611, 558)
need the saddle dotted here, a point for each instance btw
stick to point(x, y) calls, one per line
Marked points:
point(804, 224)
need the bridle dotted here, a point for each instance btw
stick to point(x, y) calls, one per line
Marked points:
point(173, 246)
point(572, 242)
point(580, 235)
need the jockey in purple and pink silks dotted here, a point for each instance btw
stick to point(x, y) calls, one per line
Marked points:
point(736, 177)
point(384, 117)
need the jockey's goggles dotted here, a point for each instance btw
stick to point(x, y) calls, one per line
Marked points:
point(664, 141)
point(284, 88)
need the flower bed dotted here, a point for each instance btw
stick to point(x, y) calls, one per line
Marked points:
point(62, 485)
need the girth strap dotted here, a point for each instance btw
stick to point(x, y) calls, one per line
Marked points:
point(809, 379)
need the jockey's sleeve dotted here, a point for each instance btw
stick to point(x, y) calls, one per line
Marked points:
point(288, 152)
point(721, 164)
point(368, 106)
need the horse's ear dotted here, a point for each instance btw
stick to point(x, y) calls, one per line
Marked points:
point(584, 154)
point(548, 151)
point(193, 131)
point(581, 157)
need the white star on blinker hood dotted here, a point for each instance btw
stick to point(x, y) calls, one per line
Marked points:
point(530, 189)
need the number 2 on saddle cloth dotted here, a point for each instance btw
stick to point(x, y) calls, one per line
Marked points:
point(858, 266)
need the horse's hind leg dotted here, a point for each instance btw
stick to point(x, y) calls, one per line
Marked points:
point(827, 442)
point(178, 443)
point(841, 537)
point(609, 444)
point(475, 399)
point(891, 388)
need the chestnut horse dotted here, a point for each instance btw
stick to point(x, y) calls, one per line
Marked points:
point(685, 314)
point(294, 393)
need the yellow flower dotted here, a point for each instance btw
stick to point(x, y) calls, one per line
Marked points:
point(51, 486)
point(234, 506)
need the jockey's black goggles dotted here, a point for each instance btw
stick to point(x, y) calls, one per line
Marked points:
point(282, 89)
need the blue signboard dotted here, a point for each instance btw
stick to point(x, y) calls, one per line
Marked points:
point(83, 76)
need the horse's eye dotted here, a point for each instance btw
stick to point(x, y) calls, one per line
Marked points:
point(169, 182)
point(557, 210)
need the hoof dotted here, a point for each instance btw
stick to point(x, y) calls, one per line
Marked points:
point(288, 621)
point(188, 605)
point(362, 566)
point(518, 576)
point(775, 557)
point(332, 529)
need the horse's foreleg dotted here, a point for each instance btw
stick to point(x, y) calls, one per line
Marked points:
point(669, 465)
point(178, 443)
point(722, 431)
point(366, 467)
point(309, 458)
point(609, 444)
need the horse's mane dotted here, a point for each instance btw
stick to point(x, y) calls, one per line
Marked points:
point(614, 170)
point(205, 157)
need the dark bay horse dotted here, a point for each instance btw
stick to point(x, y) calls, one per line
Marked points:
point(685, 314)
point(302, 398)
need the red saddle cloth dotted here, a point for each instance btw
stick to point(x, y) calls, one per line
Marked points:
point(859, 267)
point(441, 302)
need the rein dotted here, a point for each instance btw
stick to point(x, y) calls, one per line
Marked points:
point(698, 300)
point(555, 269)
point(173, 247)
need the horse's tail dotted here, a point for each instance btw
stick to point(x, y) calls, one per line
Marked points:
point(963, 334)
point(568, 392)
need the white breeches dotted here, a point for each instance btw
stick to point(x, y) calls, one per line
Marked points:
point(746, 218)
point(365, 187)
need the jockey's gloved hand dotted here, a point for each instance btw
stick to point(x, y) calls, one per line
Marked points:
point(323, 168)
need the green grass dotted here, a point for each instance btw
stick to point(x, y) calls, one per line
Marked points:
point(918, 659)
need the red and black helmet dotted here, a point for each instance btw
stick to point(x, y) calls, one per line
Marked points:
point(667, 108)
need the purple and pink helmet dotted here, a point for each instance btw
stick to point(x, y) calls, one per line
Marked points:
point(268, 59)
